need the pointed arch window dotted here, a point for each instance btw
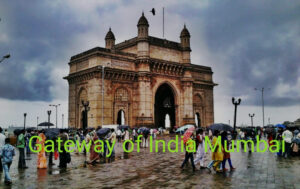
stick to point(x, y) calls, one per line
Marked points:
point(121, 95)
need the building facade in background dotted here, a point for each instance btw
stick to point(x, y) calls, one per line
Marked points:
point(146, 81)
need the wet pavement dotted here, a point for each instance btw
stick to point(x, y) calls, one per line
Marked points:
point(156, 170)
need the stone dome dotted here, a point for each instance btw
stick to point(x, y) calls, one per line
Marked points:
point(143, 21)
point(185, 32)
point(110, 35)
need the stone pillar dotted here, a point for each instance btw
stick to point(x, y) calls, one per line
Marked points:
point(144, 117)
point(187, 100)
point(72, 105)
point(209, 104)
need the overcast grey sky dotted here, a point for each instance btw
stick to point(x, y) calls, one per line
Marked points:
point(249, 44)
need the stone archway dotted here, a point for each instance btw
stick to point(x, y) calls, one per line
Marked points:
point(199, 110)
point(197, 119)
point(121, 109)
point(81, 116)
point(121, 117)
point(164, 105)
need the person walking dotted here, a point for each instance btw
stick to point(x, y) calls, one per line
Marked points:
point(64, 156)
point(287, 136)
point(226, 154)
point(112, 139)
point(21, 148)
point(126, 137)
point(7, 152)
point(217, 155)
point(189, 153)
point(94, 156)
point(200, 149)
point(41, 160)
point(2, 143)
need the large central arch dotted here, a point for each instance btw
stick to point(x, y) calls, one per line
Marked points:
point(164, 104)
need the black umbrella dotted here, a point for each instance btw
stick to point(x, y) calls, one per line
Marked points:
point(29, 129)
point(221, 127)
point(144, 130)
point(103, 132)
point(52, 133)
point(123, 127)
point(17, 131)
point(46, 124)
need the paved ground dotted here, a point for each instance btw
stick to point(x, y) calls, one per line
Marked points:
point(154, 170)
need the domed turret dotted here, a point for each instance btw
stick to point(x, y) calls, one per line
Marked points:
point(185, 44)
point(143, 21)
point(185, 38)
point(143, 26)
point(109, 39)
point(185, 32)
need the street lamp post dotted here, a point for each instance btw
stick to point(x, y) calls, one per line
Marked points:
point(37, 122)
point(235, 103)
point(55, 105)
point(251, 116)
point(86, 109)
point(5, 57)
point(62, 120)
point(49, 113)
point(262, 104)
point(25, 114)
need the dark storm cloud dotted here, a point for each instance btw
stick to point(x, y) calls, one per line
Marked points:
point(259, 41)
point(37, 36)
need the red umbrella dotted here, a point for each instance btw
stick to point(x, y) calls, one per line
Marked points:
point(188, 133)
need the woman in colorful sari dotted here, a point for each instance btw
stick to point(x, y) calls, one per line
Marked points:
point(217, 154)
point(42, 161)
point(94, 156)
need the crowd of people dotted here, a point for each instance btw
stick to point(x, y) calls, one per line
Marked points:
point(290, 137)
point(218, 157)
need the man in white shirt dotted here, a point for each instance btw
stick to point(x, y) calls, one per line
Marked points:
point(2, 143)
point(126, 137)
point(287, 136)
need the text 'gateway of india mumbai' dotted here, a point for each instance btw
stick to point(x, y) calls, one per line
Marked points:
point(146, 79)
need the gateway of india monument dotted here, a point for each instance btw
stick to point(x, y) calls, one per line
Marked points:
point(143, 81)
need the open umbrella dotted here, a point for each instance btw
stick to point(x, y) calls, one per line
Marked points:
point(144, 130)
point(17, 131)
point(280, 126)
point(29, 129)
point(187, 134)
point(123, 127)
point(183, 128)
point(52, 133)
point(46, 124)
point(220, 127)
point(103, 132)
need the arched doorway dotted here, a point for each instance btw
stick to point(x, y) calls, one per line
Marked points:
point(197, 120)
point(199, 110)
point(164, 105)
point(83, 119)
point(121, 117)
point(81, 114)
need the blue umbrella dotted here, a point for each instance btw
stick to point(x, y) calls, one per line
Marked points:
point(144, 130)
point(103, 132)
point(280, 126)
point(183, 128)
point(123, 127)
point(52, 133)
